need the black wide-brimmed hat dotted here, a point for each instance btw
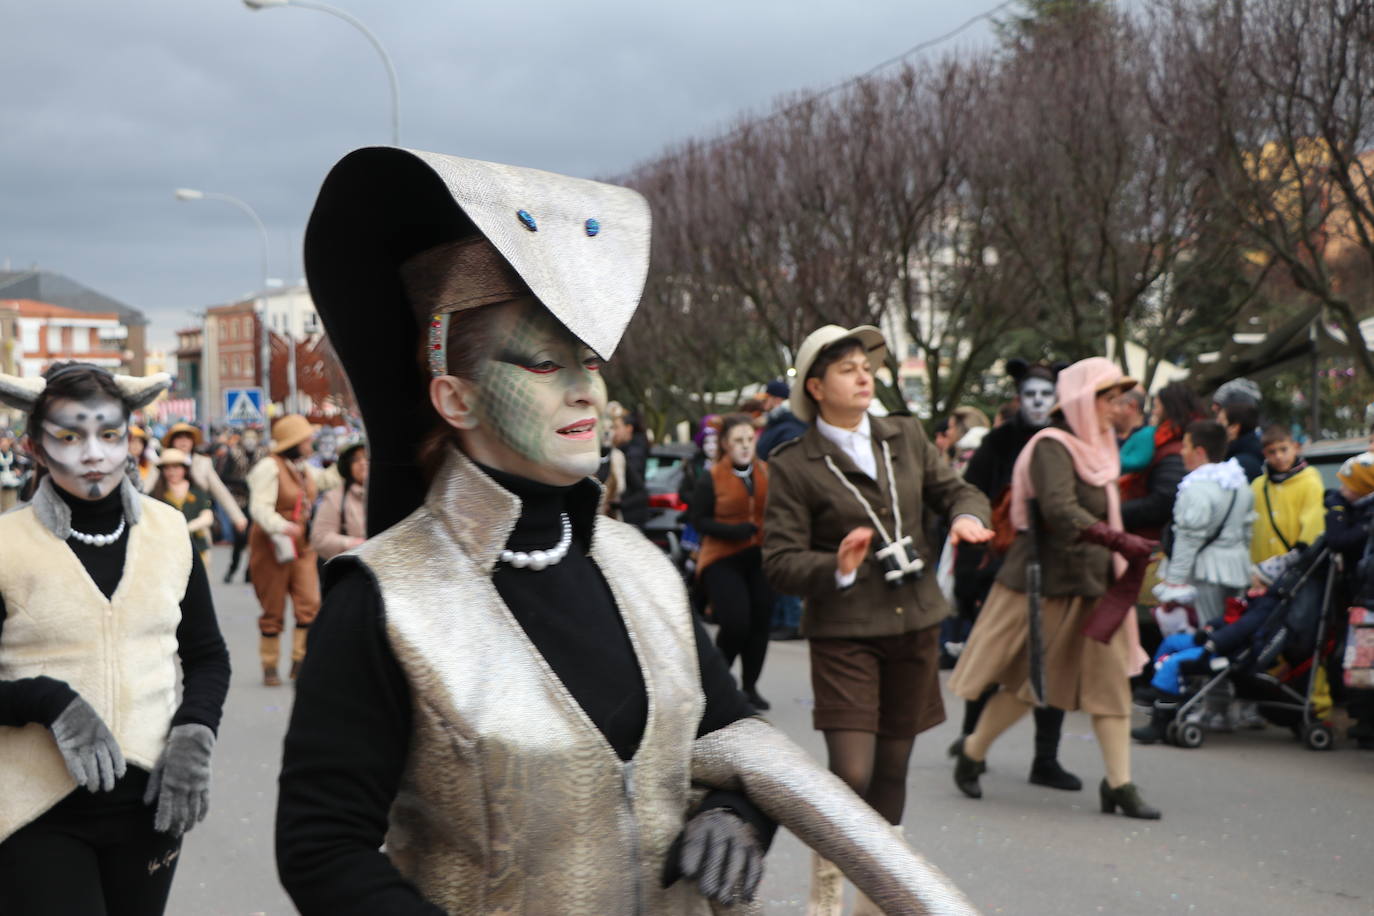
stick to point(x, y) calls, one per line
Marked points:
point(581, 247)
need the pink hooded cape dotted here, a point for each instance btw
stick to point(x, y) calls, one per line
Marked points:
point(1096, 460)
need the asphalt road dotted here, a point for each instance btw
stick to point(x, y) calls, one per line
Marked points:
point(1253, 823)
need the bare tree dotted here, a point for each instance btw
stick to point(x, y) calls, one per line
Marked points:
point(1289, 85)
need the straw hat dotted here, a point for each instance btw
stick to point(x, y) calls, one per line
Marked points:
point(183, 428)
point(289, 431)
point(138, 432)
point(173, 456)
point(871, 338)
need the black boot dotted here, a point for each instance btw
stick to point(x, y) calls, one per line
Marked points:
point(1127, 798)
point(966, 772)
point(756, 700)
point(1161, 714)
point(1046, 771)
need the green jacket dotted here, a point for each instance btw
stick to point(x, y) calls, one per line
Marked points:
point(809, 512)
point(1068, 566)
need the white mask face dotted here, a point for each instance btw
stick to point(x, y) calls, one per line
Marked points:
point(710, 446)
point(86, 445)
point(1037, 398)
point(740, 445)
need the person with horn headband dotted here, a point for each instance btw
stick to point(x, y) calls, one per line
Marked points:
point(504, 687)
point(1070, 641)
point(102, 770)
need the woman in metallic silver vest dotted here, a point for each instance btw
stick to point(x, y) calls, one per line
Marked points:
point(507, 706)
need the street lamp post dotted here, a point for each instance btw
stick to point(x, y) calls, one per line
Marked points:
point(265, 348)
point(357, 24)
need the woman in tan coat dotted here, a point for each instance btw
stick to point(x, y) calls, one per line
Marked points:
point(1068, 516)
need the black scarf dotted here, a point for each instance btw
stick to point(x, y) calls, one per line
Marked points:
point(1278, 477)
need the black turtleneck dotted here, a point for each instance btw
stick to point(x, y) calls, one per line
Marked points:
point(703, 508)
point(204, 658)
point(353, 704)
point(582, 636)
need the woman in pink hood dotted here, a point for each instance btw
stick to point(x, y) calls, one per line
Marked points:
point(1058, 627)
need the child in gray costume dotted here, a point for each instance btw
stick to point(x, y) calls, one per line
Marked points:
point(1213, 516)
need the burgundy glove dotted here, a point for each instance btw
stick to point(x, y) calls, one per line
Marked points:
point(1128, 545)
point(1120, 599)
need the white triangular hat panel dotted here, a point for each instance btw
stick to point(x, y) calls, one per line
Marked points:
point(591, 283)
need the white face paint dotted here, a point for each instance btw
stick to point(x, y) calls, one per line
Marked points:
point(540, 397)
point(85, 445)
point(739, 445)
point(1037, 398)
point(710, 446)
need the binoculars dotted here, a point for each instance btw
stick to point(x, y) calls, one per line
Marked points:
point(900, 562)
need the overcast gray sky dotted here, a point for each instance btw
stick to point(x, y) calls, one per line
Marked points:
point(109, 106)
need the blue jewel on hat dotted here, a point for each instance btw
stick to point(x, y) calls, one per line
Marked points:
point(527, 220)
point(593, 226)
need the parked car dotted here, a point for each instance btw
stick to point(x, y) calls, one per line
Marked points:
point(1327, 456)
point(663, 480)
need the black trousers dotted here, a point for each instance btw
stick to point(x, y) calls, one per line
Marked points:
point(240, 542)
point(92, 854)
point(742, 605)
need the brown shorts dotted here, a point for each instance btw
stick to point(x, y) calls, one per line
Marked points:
point(889, 685)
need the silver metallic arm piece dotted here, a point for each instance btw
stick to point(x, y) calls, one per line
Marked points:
point(825, 814)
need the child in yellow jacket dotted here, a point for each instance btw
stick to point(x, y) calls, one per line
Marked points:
point(1288, 498)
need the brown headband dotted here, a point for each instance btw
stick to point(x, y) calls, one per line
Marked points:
point(459, 275)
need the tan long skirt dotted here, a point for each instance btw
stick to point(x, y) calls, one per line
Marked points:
point(1080, 673)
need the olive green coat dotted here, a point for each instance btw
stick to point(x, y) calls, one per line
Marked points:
point(809, 512)
point(1068, 566)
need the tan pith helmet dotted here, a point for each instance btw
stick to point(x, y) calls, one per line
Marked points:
point(871, 338)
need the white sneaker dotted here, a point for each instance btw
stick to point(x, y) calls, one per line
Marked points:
point(1219, 722)
point(1248, 716)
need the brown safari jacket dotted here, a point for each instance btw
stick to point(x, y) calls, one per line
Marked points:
point(809, 512)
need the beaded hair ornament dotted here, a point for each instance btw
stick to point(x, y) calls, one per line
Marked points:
point(453, 277)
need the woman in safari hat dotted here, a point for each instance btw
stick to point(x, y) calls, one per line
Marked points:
point(174, 488)
point(281, 494)
point(187, 438)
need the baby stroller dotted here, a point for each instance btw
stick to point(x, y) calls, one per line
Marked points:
point(1291, 623)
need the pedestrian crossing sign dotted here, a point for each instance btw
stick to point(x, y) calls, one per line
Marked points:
point(243, 407)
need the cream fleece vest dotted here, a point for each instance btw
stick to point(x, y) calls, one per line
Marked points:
point(117, 653)
point(512, 801)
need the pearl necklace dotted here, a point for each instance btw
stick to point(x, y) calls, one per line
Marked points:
point(99, 540)
point(541, 559)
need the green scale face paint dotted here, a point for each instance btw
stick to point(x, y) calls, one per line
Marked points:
point(541, 396)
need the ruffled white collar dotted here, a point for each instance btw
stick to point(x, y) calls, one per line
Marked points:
point(1228, 475)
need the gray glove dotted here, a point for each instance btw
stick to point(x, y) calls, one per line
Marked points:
point(720, 851)
point(91, 753)
point(180, 783)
